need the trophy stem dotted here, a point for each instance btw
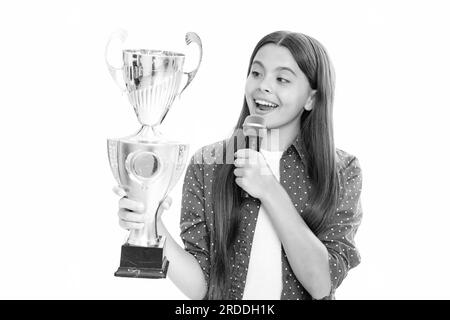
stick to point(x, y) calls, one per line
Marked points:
point(148, 235)
point(156, 221)
point(147, 133)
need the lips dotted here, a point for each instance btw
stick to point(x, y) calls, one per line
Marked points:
point(264, 106)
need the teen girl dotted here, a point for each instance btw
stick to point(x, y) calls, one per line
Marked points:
point(293, 238)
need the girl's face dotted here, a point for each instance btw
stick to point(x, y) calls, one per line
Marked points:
point(276, 88)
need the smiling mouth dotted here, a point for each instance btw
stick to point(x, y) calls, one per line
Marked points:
point(265, 105)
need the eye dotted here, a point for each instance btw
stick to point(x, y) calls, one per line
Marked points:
point(255, 74)
point(282, 80)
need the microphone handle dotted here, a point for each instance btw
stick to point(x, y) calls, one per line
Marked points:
point(254, 143)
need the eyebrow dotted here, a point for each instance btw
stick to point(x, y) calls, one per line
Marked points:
point(279, 68)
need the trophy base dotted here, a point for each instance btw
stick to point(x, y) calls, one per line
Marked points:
point(143, 262)
point(149, 273)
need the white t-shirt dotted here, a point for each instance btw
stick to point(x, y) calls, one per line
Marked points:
point(264, 276)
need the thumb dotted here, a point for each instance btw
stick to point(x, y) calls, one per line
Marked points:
point(167, 203)
point(119, 191)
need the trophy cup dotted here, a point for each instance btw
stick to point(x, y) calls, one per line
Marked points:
point(146, 165)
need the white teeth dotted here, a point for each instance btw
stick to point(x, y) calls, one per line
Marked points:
point(266, 103)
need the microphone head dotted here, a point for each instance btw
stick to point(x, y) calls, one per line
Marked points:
point(254, 125)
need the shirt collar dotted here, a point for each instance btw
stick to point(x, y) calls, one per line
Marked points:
point(297, 146)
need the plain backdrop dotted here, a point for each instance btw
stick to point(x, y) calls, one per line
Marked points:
point(60, 237)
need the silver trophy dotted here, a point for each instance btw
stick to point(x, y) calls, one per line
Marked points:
point(145, 164)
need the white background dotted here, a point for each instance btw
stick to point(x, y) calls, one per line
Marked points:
point(59, 234)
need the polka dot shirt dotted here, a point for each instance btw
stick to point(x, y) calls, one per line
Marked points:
point(336, 230)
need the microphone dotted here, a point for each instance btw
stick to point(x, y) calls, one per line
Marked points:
point(254, 129)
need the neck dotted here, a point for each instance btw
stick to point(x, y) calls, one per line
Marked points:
point(279, 139)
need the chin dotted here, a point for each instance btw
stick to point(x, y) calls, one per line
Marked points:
point(270, 125)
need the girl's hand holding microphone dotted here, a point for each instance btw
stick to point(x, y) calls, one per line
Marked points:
point(131, 213)
point(253, 174)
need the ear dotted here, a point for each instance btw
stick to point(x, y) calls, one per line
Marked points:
point(309, 105)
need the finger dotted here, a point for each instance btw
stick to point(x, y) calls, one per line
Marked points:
point(245, 153)
point(238, 172)
point(119, 191)
point(239, 182)
point(246, 162)
point(132, 205)
point(240, 162)
point(130, 216)
point(130, 225)
point(249, 155)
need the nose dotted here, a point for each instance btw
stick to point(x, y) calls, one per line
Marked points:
point(265, 85)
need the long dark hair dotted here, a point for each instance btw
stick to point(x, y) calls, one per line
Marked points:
point(317, 143)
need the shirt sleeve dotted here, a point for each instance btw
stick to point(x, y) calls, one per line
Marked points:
point(340, 229)
point(194, 232)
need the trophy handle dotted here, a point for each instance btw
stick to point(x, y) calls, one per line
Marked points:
point(116, 73)
point(192, 37)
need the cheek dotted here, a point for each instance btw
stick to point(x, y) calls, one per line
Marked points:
point(249, 89)
point(249, 101)
point(249, 86)
point(296, 100)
